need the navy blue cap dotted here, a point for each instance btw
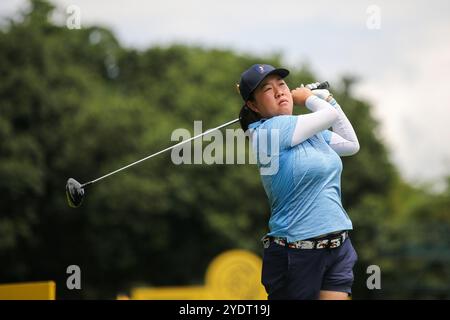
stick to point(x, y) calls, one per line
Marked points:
point(252, 77)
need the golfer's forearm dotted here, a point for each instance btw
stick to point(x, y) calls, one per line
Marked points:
point(343, 127)
point(322, 117)
point(343, 139)
point(342, 146)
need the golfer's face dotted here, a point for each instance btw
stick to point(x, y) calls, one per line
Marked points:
point(273, 97)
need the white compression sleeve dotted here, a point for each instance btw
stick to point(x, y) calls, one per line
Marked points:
point(322, 117)
point(343, 139)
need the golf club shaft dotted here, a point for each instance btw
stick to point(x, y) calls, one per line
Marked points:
point(159, 152)
point(323, 85)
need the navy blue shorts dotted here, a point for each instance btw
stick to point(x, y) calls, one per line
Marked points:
point(299, 274)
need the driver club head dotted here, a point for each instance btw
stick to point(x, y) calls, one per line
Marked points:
point(74, 193)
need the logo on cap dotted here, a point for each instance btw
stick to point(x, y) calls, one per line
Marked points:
point(261, 69)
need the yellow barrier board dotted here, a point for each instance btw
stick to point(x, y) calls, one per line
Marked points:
point(232, 275)
point(171, 293)
point(44, 290)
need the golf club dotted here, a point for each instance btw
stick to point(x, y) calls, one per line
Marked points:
point(75, 190)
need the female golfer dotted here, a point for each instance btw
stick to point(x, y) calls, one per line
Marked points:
point(307, 252)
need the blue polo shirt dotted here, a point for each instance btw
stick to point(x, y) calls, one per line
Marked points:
point(302, 183)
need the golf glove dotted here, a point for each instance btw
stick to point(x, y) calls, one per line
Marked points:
point(323, 94)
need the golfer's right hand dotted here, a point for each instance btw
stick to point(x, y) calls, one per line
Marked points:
point(300, 94)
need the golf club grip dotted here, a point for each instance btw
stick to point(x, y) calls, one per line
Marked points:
point(323, 85)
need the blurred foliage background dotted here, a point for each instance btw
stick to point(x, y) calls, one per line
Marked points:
point(75, 103)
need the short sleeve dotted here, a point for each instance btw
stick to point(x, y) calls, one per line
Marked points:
point(283, 127)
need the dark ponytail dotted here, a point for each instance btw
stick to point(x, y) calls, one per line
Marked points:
point(247, 116)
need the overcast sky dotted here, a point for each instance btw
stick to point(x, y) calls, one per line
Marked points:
point(400, 51)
